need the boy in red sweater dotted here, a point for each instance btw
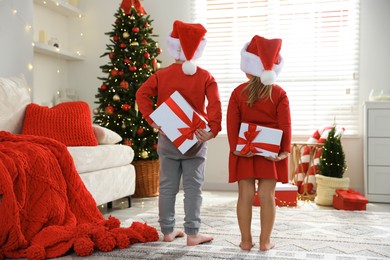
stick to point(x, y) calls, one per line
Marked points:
point(196, 85)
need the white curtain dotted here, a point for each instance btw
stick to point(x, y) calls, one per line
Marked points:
point(320, 49)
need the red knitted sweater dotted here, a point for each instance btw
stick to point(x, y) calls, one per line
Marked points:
point(45, 209)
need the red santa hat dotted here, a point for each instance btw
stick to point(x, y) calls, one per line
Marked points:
point(187, 43)
point(260, 57)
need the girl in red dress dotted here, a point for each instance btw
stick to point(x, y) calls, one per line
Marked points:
point(261, 102)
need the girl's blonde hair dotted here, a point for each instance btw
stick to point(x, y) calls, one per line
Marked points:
point(257, 90)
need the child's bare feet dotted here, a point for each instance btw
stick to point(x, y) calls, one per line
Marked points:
point(193, 240)
point(266, 246)
point(175, 233)
point(247, 245)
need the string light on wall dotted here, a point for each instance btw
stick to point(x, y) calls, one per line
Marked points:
point(24, 25)
point(68, 8)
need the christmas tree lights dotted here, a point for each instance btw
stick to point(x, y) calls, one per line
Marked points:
point(332, 161)
point(132, 54)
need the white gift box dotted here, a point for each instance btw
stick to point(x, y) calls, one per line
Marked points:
point(178, 121)
point(263, 141)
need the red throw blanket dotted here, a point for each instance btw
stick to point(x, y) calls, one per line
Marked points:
point(45, 209)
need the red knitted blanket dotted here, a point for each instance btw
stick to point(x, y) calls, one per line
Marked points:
point(45, 209)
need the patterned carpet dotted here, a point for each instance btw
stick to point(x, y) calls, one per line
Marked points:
point(298, 233)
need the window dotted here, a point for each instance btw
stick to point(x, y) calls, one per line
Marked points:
point(320, 48)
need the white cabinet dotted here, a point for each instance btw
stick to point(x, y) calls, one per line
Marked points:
point(377, 151)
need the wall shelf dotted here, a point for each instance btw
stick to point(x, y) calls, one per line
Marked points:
point(56, 52)
point(60, 6)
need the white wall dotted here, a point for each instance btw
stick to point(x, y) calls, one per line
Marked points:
point(374, 50)
point(99, 19)
point(15, 42)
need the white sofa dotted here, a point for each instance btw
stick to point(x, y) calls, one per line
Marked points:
point(105, 169)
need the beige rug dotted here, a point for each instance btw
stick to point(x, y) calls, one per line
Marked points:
point(299, 233)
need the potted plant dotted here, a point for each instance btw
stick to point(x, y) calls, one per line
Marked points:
point(331, 168)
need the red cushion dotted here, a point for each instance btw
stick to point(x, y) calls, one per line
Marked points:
point(69, 123)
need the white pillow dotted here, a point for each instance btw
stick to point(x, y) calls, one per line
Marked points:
point(14, 97)
point(105, 135)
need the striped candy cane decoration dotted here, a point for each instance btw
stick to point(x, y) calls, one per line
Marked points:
point(308, 166)
point(318, 137)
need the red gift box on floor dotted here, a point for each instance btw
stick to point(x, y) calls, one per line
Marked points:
point(286, 194)
point(349, 200)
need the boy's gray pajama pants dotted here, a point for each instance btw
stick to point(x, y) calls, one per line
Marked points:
point(173, 166)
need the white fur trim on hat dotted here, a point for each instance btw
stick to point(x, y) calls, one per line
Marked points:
point(251, 64)
point(174, 49)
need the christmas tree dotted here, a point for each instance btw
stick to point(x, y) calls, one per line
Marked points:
point(332, 160)
point(132, 56)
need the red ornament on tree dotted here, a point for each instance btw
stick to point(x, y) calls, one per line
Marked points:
point(103, 87)
point(140, 131)
point(147, 55)
point(116, 38)
point(126, 107)
point(123, 45)
point(154, 63)
point(133, 68)
point(146, 25)
point(144, 42)
point(127, 142)
point(135, 30)
point(159, 50)
point(114, 72)
point(124, 84)
point(144, 65)
point(121, 73)
point(126, 60)
point(109, 110)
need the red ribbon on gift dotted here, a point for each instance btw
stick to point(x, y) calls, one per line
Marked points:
point(250, 135)
point(187, 132)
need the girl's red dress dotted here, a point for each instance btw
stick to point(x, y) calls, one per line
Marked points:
point(273, 113)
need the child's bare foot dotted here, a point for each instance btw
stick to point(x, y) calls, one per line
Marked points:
point(266, 246)
point(175, 233)
point(247, 245)
point(193, 240)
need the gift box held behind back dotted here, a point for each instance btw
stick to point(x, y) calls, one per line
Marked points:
point(261, 140)
point(178, 121)
point(349, 200)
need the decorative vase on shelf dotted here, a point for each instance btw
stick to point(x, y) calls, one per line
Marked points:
point(331, 169)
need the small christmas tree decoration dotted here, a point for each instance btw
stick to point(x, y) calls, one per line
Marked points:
point(332, 161)
point(132, 54)
point(331, 169)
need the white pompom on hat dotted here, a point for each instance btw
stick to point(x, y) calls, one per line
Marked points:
point(260, 57)
point(186, 43)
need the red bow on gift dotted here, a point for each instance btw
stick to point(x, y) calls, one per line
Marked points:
point(250, 135)
point(187, 132)
point(127, 4)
